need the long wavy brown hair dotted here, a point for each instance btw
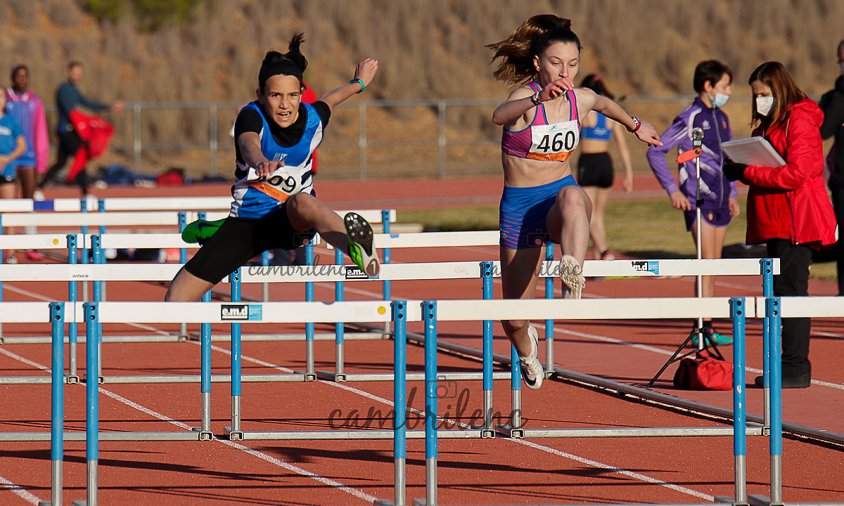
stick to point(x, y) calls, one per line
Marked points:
point(530, 39)
point(785, 90)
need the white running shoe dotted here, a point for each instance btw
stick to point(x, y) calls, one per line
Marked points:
point(532, 371)
point(571, 274)
point(38, 195)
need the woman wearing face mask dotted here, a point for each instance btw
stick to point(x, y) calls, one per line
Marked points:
point(788, 207)
point(274, 202)
point(712, 82)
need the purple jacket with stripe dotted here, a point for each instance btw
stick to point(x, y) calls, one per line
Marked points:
point(715, 189)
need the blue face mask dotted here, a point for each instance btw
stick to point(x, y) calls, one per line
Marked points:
point(720, 100)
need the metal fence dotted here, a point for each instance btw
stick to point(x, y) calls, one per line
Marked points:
point(365, 139)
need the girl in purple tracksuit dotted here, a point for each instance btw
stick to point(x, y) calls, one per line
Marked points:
point(712, 82)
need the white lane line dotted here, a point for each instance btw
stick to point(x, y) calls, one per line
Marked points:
point(255, 453)
point(547, 449)
point(18, 491)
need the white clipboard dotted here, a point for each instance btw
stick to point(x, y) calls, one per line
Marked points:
point(753, 151)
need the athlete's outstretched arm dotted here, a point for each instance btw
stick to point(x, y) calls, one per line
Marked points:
point(645, 131)
point(365, 71)
point(250, 149)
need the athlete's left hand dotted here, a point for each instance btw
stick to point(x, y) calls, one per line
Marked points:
point(647, 133)
point(735, 210)
point(366, 70)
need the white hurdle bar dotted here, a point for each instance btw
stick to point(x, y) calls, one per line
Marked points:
point(133, 218)
point(117, 204)
point(463, 310)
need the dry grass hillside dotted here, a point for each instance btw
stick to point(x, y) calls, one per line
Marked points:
point(428, 49)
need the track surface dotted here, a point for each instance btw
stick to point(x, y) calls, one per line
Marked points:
point(498, 471)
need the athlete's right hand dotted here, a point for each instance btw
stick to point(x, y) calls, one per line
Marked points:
point(266, 168)
point(555, 89)
point(679, 201)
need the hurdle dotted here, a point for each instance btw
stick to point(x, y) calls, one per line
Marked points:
point(775, 309)
point(116, 204)
point(461, 310)
point(445, 270)
point(210, 312)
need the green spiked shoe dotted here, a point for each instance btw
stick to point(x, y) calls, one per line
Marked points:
point(200, 231)
point(361, 248)
point(713, 336)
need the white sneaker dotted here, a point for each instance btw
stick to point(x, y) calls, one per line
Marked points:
point(37, 195)
point(571, 274)
point(532, 371)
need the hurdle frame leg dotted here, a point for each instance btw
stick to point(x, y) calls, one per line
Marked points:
point(57, 406)
point(399, 309)
point(234, 431)
point(488, 431)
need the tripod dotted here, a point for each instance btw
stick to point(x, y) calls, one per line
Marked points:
point(704, 341)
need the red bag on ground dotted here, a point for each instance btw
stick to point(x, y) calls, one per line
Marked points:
point(704, 372)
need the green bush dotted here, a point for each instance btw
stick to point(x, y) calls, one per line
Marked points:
point(151, 15)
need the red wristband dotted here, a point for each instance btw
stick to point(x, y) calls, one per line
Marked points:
point(637, 124)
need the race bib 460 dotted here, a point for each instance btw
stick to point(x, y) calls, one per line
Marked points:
point(554, 142)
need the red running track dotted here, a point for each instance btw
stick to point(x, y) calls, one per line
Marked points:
point(498, 471)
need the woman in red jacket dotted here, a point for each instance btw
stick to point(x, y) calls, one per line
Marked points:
point(788, 207)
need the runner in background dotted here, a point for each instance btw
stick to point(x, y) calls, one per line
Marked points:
point(26, 107)
point(595, 172)
point(12, 147)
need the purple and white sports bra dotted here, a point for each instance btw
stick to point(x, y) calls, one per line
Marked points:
point(543, 141)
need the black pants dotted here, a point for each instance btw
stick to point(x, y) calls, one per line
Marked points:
point(793, 281)
point(69, 143)
point(838, 204)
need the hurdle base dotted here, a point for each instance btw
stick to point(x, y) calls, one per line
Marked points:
point(729, 500)
point(517, 433)
point(310, 376)
point(203, 435)
point(235, 435)
point(80, 502)
point(487, 433)
point(332, 376)
point(72, 380)
point(761, 500)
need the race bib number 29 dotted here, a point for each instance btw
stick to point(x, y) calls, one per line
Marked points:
point(280, 185)
point(554, 142)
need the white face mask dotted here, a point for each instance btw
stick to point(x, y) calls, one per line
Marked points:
point(764, 105)
point(720, 100)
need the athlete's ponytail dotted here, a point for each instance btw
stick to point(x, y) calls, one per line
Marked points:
point(293, 63)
